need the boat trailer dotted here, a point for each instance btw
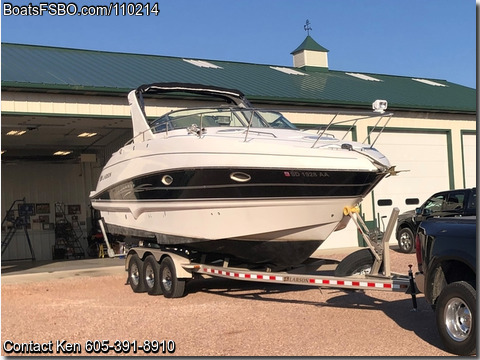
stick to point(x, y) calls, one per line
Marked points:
point(160, 270)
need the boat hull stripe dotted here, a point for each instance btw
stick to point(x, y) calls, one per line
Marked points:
point(264, 183)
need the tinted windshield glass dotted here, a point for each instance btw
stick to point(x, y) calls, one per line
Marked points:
point(220, 117)
point(276, 120)
point(200, 117)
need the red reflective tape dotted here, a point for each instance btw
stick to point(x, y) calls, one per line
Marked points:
point(389, 286)
point(272, 277)
point(356, 283)
point(325, 281)
point(340, 282)
point(371, 284)
point(247, 276)
point(236, 275)
point(312, 281)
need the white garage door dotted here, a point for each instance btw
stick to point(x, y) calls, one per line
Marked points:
point(425, 155)
point(470, 159)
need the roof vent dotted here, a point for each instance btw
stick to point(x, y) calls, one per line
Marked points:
point(429, 82)
point(363, 76)
point(203, 64)
point(287, 70)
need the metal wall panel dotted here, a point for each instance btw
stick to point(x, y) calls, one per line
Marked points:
point(43, 183)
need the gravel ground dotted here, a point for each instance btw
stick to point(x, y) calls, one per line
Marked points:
point(219, 317)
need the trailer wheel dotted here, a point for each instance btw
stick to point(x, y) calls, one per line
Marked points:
point(171, 286)
point(357, 263)
point(151, 276)
point(406, 240)
point(455, 314)
point(135, 274)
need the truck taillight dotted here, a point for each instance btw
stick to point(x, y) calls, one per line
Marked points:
point(418, 252)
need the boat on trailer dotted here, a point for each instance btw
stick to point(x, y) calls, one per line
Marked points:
point(232, 179)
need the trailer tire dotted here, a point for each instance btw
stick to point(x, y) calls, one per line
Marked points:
point(455, 315)
point(171, 286)
point(358, 262)
point(135, 274)
point(151, 275)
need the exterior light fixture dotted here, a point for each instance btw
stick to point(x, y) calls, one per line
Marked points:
point(379, 106)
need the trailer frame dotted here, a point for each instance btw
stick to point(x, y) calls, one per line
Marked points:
point(158, 269)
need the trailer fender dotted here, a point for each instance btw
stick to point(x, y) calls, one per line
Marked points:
point(179, 261)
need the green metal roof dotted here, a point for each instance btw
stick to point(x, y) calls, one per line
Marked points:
point(309, 44)
point(43, 68)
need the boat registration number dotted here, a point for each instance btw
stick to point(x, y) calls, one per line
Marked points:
point(306, 174)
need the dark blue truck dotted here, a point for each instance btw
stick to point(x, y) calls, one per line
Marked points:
point(446, 250)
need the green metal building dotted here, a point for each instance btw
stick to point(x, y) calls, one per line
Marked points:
point(52, 95)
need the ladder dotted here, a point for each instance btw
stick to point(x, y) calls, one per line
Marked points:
point(66, 237)
point(18, 220)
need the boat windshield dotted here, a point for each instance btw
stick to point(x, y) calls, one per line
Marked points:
point(215, 117)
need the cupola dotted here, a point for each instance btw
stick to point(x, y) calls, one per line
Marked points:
point(310, 55)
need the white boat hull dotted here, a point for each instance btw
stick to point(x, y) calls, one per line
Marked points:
point(269, 219)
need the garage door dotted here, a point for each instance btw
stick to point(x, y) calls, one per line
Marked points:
point(425, 155)
point(469, 159)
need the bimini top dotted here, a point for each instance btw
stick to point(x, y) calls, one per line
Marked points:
point(231, 96)
point(141, 127)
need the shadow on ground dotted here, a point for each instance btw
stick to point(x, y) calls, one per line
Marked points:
point(421, 321)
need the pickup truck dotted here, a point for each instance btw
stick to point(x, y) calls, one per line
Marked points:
point(446, 250)
point(461, 202)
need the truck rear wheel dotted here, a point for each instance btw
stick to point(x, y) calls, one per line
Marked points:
point(135, 274)
point(357, 263)
point(455, 313)
point(171, 286)
point(151, 275)
point(406, 240)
